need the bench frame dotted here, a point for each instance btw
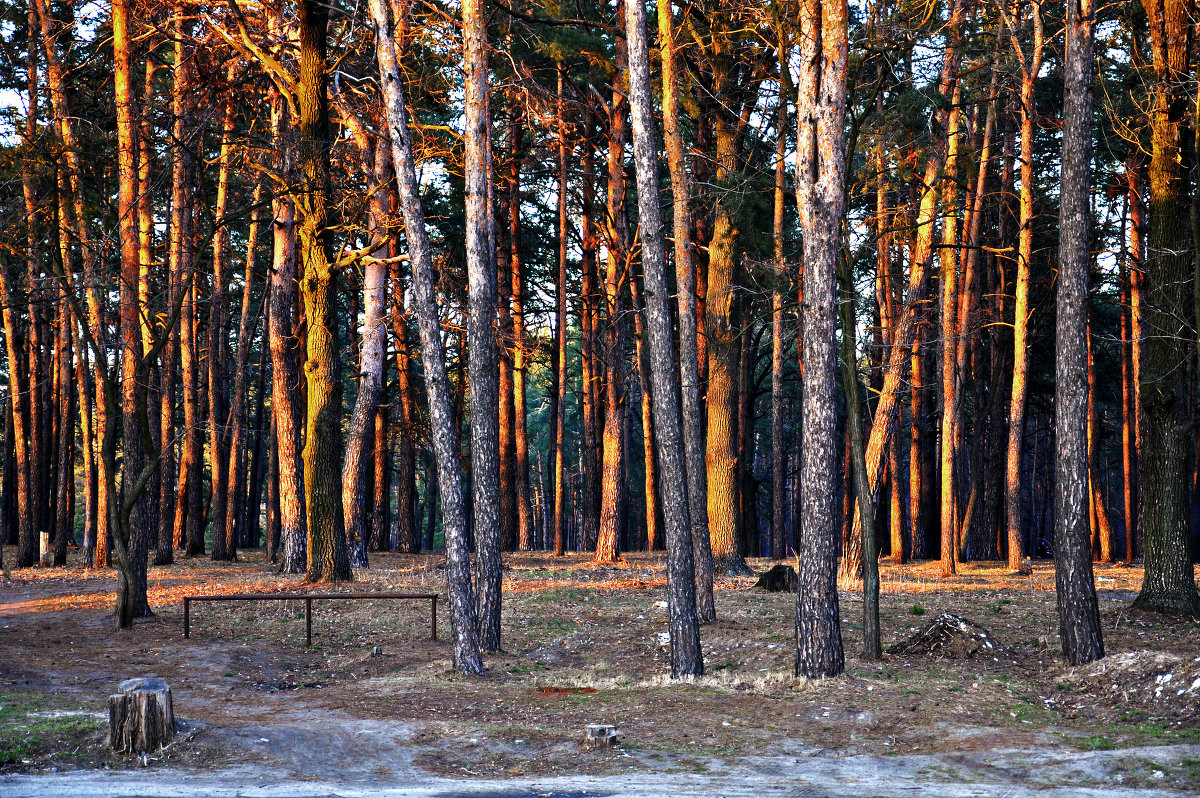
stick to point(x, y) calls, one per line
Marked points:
point(308, 599)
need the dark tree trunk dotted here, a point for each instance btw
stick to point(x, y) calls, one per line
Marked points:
point(1169, 584)
point(1078, 611)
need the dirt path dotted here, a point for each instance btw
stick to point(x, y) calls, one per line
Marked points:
point(998, 774)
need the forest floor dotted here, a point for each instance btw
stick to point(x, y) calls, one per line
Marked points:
point(373, 708)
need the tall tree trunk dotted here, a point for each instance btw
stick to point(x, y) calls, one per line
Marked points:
point(1101, 528)
point(684, 628)
point(128, 515)
point(372, 355)
point(651, 486)
point(778, 400)
point(820, 196)
point(406, 475)
point(1078, 610)
point(218, 346)
point(1134, 169)
point(1169, 584)
point(464, 630)
point(481, 326)
point(64, 522)
point(322, 455)
point(685, 283)
point(614, 490)
point(516, 268)
point(558, 431)
point(872, 645)
point(285, 376)
point(1030, 68)
point(145, 211)
point(949, 326)
point(591, 373)
point(247, 322)
point(724, 339)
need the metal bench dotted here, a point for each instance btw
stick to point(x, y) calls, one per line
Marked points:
point(308, 602)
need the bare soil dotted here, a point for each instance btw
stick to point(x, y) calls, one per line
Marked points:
point(374, 701)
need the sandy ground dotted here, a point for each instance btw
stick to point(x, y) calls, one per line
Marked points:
point(373, 708)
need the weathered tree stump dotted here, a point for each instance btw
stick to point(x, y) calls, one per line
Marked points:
point(141, 718)
point(600, 735)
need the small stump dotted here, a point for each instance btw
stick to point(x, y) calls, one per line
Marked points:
point(600, 735)
point(141, 718)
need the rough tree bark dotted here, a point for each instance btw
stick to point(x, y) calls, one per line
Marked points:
point(1078, 610)
point(687, 658)
point(685, 285)
point(613, 487)
point(445, 441)
point(482, 356)
point(284, 343)
point(1170, 584)
point(322, 455)
point(820, 196)
point(372, 355)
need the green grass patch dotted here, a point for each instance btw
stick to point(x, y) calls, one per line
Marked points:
point(31, 727)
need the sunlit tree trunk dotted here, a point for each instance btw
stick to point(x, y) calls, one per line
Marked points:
point(1101, 526)
point(129, 517)
point(218, 347)
point(322, 455)
point(685, 283)
point(406, 474)
point(516, 268)
point(1030, 68)
point(949, 284)
point(724, 339)
point(651, 487)
point(284, 343)
point(239, 438)
point(613, 488)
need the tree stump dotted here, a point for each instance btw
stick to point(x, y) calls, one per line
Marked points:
point(780, 579)
point(600, 735)
point(141, 718)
